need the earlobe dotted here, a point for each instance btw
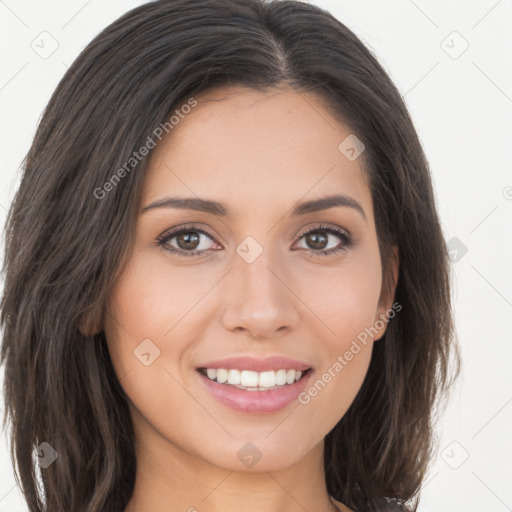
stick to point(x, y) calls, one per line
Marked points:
point(91, 322)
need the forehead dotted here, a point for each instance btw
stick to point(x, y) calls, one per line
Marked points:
point(249, 148)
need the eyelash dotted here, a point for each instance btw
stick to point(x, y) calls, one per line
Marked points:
point(342, 234)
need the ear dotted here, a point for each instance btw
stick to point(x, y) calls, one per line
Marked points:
point(91, 322)
point(387, 294)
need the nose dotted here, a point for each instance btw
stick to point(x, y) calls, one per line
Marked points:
point(259, 298)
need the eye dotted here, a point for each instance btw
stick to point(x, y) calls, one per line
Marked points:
point(193, 241)
point(188, 241)
point(319, 237)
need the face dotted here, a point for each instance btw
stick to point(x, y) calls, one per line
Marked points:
point(258, 279)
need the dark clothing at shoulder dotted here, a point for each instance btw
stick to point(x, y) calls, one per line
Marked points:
point(387, 506)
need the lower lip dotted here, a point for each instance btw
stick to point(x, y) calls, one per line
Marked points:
point(256, 401)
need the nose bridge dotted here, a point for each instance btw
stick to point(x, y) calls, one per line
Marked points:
point(255, 270)
point(259, 299)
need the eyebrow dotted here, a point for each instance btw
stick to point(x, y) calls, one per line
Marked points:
point(216, 208)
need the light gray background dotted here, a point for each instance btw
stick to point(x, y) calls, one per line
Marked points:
point(461, 104)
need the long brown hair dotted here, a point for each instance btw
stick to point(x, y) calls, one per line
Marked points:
point(65, 246)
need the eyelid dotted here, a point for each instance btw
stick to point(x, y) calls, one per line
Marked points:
point(176, 230)
point(342, 233)
point(183, 227)
point(321, 226)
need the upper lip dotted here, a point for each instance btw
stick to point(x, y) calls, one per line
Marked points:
point(257, 365)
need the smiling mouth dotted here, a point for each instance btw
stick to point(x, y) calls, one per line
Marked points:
point(254, 381)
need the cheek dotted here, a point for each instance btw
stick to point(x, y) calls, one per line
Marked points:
point(152, 296)
point(346, 350)
point(154, 301)
point(148, 308)
point(344, 298)
point(344, 302)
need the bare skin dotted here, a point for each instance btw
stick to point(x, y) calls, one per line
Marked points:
point(260, 155)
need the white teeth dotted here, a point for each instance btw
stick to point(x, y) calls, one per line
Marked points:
point(267, 379)
point(222, 376)
point(252, 381)
point(280, 377)
point(233, 376)
point(249, 379)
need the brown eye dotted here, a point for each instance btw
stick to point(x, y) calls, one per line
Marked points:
point(192, 241)
point(317, 240)
point(189, 241)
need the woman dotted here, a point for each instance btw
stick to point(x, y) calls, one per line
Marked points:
point(226, 281)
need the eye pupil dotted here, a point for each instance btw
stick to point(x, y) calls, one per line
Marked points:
point(187, 237)
point(315, 237)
